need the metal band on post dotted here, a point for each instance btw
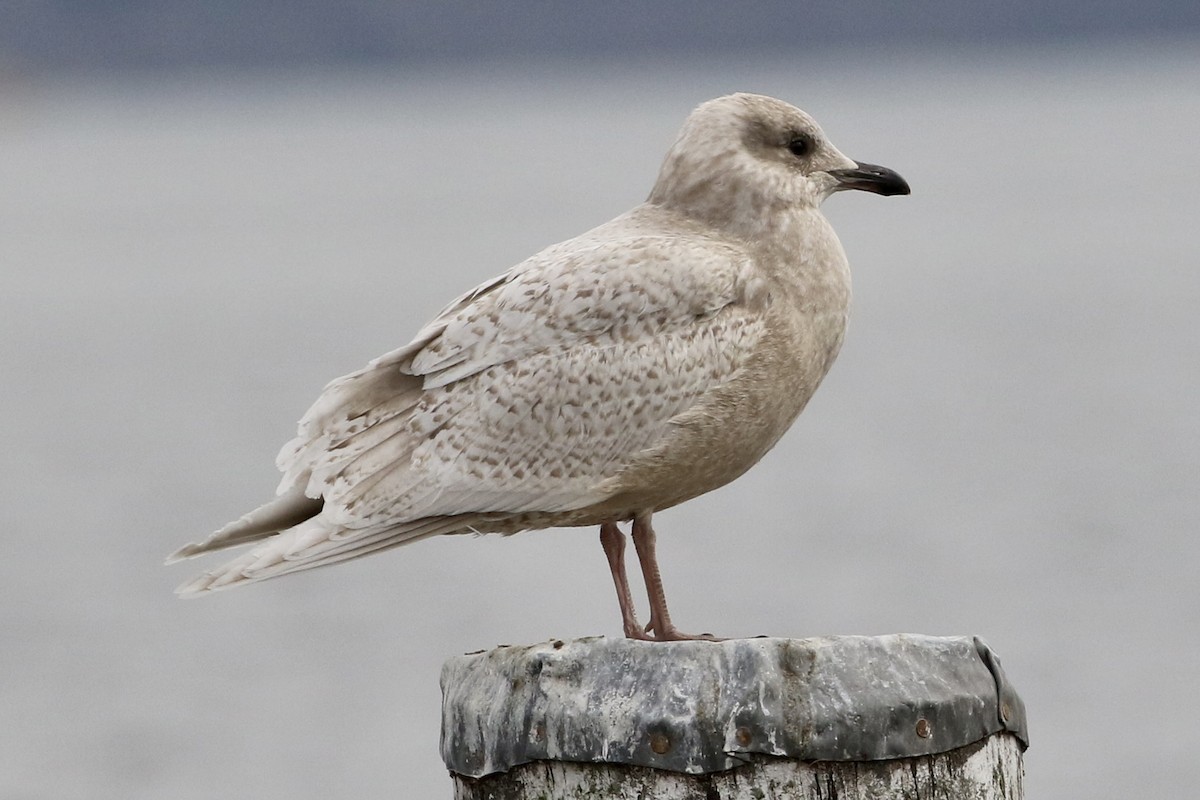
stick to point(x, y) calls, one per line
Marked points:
point(748, 718)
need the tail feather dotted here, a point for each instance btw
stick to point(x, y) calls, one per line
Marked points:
point(315, 543)
point(285, 511)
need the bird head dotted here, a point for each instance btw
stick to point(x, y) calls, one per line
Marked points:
point(748, 157)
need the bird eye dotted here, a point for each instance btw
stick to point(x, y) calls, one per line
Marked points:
point(800, 146)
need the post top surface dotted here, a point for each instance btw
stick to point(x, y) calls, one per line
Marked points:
point(698, 707)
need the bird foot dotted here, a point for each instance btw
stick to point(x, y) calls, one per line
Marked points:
point(654, 632)
point(633, 630)
point(673, 634)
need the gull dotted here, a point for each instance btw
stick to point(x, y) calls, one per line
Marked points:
point(643, 363)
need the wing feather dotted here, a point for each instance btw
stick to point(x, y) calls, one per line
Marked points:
point(524, 395)
point(536, 391)
point(308, 546)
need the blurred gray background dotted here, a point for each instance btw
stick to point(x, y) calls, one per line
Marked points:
point(209, 210)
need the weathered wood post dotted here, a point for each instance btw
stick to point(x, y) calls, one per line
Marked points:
point(899, 716)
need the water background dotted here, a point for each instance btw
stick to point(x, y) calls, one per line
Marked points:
point(1009, 445)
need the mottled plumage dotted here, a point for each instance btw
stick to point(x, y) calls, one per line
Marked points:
point(645, 362)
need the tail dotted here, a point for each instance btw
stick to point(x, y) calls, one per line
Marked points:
point(313, 543)
point(285, 511)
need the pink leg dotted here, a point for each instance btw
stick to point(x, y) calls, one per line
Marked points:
point(613, 542)
point(660, 618)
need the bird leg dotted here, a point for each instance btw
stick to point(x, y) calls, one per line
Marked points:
point(613, 542)
point(660, 618)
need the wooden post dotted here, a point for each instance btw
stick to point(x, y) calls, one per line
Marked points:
point(847, 717)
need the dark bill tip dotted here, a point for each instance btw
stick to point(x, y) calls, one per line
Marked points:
point(871, 178)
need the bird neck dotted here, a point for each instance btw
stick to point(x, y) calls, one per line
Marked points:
point(721, 195)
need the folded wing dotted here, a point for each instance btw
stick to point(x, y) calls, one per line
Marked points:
point(524, 395)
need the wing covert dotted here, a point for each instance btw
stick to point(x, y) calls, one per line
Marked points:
point(527, 393)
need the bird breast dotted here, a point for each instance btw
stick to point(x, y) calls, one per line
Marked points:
point(803, 303)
